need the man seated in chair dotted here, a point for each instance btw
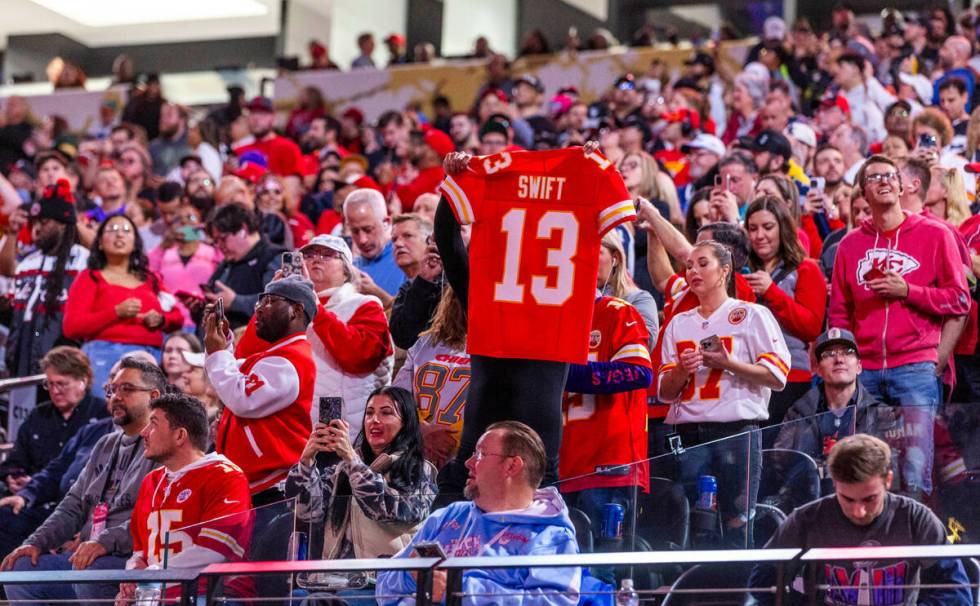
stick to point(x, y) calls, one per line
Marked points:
point(864, 513)
point(506, 514)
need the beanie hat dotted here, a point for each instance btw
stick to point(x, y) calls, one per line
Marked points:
point(57, 203)
point(296, 289)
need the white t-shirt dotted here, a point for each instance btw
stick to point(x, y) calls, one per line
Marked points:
point(751, 335)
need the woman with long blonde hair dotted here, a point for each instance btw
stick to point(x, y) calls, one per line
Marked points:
point(614, 280)
point(437, 372)
point(946, 197)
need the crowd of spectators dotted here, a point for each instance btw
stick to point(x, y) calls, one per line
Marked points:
point(242, 268)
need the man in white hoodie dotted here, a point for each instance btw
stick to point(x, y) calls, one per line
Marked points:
point(194, 509)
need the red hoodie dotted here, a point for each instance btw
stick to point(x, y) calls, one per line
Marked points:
point(893, 332)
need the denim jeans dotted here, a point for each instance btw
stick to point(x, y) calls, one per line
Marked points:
point(86, 592)
point(915, 389)
point(103, 354)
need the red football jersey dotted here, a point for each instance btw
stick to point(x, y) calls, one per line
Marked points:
point(204, 507)
point(608, 429)
point(538, 218)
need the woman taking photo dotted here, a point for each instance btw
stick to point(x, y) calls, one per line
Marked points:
point(720, 362)
point(118, 305)
point(791, 286)
point(374, 499)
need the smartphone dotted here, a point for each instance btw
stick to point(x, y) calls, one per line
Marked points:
point(184, 295)
point(205, 287)
point(219, 308)
point(292, 263)
point(331, 409)
point(712, 343)
point(429, 549)
point(745, 270)
point(818, 184)
point(927, 141)
point(717, 181)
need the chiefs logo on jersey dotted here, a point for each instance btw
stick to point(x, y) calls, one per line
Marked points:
point(737, 315)
point(595, 337)
point(878, 261)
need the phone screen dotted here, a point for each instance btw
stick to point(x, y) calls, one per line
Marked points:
point(429, 549)
point(219, 308)
point(331, 409)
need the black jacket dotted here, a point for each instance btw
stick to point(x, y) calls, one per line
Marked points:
point(412, 311)
point(247, 277)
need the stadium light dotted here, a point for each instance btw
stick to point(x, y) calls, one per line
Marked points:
point(108, 13)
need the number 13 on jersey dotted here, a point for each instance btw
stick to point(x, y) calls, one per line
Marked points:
point(514, 224)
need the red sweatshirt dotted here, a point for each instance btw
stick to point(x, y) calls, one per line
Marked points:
point(893, 332)
point(427, 181)
point(802, 314)
point(90, 312)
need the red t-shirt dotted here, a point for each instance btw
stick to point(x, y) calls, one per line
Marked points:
point(618, 335)
point(537, 221)
point(283, 155)
point(426, 182)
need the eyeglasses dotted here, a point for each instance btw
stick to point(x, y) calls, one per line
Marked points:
point(323, 255)
point(880, 178)
point(125, 389)
point(269, 300)
point(123, 227)
point(55, 385)
point(479, 455)
point(848, 352)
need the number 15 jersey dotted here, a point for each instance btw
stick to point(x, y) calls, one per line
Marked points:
point(538, 218)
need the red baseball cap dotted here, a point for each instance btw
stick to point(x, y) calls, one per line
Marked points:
point(973, 167)
point(438, 140)
point(835, 100)
point(396, 38)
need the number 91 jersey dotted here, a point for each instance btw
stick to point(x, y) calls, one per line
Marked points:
point(751, 335)
point(538, 218)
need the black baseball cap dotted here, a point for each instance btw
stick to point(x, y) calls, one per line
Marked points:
point(834, 336)
point(701, 58)
point(768, 141)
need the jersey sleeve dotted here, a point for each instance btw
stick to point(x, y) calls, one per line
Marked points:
point(465, 190)
point(630, 336)
point(766, 344)
point(613, 200)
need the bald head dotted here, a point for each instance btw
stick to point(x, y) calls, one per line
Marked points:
point(957, 50)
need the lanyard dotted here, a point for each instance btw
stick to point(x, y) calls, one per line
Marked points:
point(112, 466)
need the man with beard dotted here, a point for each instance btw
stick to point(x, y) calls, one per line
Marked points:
point(283, 154)
point(42, 280)
point(507, 514)
point(206, 494)
point(320, 135)
point(167, 149)
point(426, 151)
point(828, 163)
point(954, 57)
point(268, 394)
point(99, 505)
point(199, 191)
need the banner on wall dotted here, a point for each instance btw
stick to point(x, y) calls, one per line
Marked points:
point(377, 91)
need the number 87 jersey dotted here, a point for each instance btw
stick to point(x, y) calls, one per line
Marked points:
point(538, 219)
point(751, 335)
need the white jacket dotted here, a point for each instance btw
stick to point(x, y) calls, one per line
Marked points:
point(331, 380)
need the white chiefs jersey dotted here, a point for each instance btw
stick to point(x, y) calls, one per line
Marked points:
point(750, 334)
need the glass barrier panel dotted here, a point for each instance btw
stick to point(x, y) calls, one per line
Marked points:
point(247, 535)
point(956, 469)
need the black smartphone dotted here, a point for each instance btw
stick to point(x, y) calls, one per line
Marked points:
point(429, 549)
point(927, 141)
point(205, 287)
point(331, 409)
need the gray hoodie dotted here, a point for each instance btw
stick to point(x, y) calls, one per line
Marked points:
point(74, 513)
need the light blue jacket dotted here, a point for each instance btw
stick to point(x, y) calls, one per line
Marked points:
point(464, 530)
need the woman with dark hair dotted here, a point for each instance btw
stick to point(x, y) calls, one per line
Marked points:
point(791, 286)
point(719, 363)
point(118, 305)
point(697, 213)
point(376, 497)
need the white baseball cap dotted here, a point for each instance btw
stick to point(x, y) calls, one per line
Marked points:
point(333, 243)
point(802, 133)
point(705, 141)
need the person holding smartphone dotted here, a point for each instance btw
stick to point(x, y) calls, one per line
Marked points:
point(371, 502)
point(719, 364)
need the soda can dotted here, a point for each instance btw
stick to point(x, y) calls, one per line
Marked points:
point(613, 515)
point(298, 544)
point(708, 493)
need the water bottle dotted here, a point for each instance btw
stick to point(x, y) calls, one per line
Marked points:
point(627, 596)
point(147, 594)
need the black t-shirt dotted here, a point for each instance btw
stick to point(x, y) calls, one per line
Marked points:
point(903, 521)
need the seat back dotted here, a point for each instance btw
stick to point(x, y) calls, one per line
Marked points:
point(767, 520)
point(972, 567)
point(583, 529)
point(712, 576)
point(790, 478)
point(664, 515)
